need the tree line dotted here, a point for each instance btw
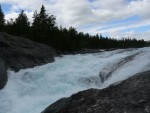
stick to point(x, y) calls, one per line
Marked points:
point(44, 30)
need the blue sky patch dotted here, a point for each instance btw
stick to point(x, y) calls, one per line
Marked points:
point(138, 29)
point(127, 20)
point(6, 7)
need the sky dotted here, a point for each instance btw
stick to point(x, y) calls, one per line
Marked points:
point(112, 18)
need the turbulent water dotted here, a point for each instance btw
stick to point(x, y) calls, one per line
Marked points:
point(32, 90)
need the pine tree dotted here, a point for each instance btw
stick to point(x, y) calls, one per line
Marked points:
point(47, 22)
point(2, 20)
point(43, 21)
point(43, 24)
point(43, 16)
point(35, 28)
point(22, 24)
point(35, 19)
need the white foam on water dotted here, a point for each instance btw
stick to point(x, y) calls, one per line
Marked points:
point(32, 90)
point(139, 64)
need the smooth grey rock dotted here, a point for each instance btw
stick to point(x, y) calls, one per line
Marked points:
point(20, 53)
point(130, 96)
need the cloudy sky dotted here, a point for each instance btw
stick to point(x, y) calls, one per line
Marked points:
point(113, 18)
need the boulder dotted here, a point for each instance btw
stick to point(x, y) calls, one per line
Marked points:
point(19, 53)
point(129, 96)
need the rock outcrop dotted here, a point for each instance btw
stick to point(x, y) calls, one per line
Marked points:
point(130, 96)
point(18, 53)
point(3, 74)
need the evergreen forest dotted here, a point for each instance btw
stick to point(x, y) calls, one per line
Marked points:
point(44, 29)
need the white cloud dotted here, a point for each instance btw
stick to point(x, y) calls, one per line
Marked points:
point(14, 15)
point(80, 13)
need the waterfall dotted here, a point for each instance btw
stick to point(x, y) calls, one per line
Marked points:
point(32, 90)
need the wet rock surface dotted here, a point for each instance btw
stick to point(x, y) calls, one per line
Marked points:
point(105, 74)
point(130, 96)
point(19, 53)
point(3, 74)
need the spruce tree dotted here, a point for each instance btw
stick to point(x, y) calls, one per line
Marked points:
point(43, 21)
point(22, 24)
point(47, 22)
point(2, 20)
point(43, 25)
point(35, 19)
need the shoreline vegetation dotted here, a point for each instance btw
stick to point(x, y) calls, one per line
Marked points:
point(45, 30)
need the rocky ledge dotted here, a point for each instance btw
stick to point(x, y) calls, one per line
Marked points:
point(18, 53)
point(130, 96)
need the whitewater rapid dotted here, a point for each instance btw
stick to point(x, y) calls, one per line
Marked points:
point(32, 90)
